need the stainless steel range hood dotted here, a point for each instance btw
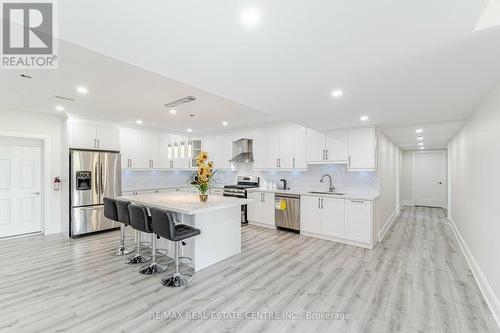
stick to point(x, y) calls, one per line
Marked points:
point(242, 151)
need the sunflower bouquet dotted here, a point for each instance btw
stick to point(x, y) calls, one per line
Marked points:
point(203, 178)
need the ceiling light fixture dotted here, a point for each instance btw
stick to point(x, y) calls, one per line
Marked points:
point(225, 123)
point(363, 118)
point(419, 130)
point(250, 16)
point(60, 108)
point(189, 130)
point(420, 138)
point(173, 111)
point(420, 143)
point(82, 90)
point(337, 93)
point(138, 121)
point(422, 148)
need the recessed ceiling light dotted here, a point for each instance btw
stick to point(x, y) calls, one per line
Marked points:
point(363, 118)
point(419, 130)
point(189, 130)
point(420, 143)
point(225, 123)
point(420, 138)
point(60, 108)
point(138, 121)
point(173, 111)
point(250, 16)
point(337, 93)
point(422, 148)
point(82, 90)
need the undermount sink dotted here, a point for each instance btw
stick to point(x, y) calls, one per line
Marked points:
point(329, 193)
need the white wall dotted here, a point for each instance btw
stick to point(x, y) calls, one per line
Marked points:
point(389, 159)
point(28, 123)
point(407, 178)
point(474, 159)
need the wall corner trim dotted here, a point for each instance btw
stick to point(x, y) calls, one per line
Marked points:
point(490, 297)
point(388, 224)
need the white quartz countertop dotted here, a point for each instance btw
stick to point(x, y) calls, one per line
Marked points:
point(347, 195)
point(185, 203)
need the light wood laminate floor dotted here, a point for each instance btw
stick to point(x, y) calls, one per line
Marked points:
point(417, 280)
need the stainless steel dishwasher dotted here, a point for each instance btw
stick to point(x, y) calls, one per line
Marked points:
point(287, 211)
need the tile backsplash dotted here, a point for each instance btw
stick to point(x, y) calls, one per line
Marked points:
point(134, 180)
point(343, 180)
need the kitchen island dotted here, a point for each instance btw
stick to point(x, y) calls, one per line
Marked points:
point(219, 220)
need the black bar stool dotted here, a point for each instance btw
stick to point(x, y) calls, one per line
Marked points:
point(138, 226)
point(141, 221)
point(111, 212)
point(164, 226)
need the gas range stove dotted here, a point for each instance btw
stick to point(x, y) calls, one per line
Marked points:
point(240, 191)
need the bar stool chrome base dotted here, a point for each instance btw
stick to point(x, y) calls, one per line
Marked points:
point(177, 279)
point(122, 251)
point(138, 259)
point(153, 268)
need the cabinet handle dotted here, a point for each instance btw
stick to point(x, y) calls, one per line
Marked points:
point(321, 200)
point(98, 144)
point(327, 154)
point(319, 203)
point(95, 143)
point(294, 162)
point(324, 154)
point(279, 162)
point(349, 161)
point(153, 163)
point(359, 201)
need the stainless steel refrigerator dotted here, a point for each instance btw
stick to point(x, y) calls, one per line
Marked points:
point(93, 176)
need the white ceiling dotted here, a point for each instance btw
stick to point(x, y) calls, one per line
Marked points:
point(435, 136)
point(402, 63)
point(121, 93)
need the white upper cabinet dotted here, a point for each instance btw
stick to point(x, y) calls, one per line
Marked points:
point(362, 146)
point(88, 134)
point(150, 150)
point(315, 143)
point(280, 147)
point(219, 149)
point(329, 147)
point(131, 148)
point(336, 146)
point(299, 147)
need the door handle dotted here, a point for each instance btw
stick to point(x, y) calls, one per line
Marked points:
point(102, 185)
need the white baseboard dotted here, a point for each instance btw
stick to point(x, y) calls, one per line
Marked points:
point(407, 203)
point(388, 224)
point(262, 225)
point(490, 297)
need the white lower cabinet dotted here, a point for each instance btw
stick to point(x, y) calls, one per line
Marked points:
point(261, 211)
point(358, 220)
point(342, 220)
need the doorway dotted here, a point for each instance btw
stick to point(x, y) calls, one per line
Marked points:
point(429, 178)
point(20, 186)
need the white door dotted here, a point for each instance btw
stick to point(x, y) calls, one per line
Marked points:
point(83, 134)
point(299, 147)
point(108, 136)
point(286, 147)
point(273, 146)
point(125, 147)
point(358, 220)
point(429, 178)
point(361, 146)
point(20, 187)
point(268, 209)
point(333, 220)
point(336, 145)
point(254, 209)
point(310, 214)
point(315, 143)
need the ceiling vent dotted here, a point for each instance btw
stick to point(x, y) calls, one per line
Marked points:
point(180, 101)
